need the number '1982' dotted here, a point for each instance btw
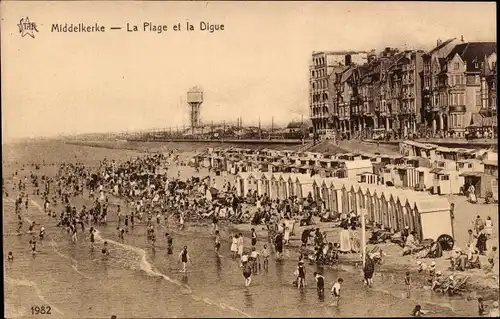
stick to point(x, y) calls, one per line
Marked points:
point(40, 310)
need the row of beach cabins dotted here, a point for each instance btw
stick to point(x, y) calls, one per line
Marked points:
point(389, 207)
point(419, 166)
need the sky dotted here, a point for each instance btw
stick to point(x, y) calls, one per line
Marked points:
point(257, 67)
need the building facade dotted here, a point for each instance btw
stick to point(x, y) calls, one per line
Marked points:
point(433, 61)
point(322, 75)
point(382, 94)
point(462, 85)
point(443, 91)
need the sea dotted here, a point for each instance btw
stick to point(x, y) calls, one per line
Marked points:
point(136, 282)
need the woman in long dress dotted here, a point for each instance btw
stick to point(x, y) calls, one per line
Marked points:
point(234, 245)
point(240, 244)
point(345, 240)
point(354, 239)
point(488, 228)
point(472, 194)
point(287, 235)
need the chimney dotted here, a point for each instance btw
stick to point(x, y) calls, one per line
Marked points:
point(462, 38)
point(438, 42)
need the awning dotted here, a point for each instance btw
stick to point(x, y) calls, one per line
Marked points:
point(475, 174)
point(436, 170)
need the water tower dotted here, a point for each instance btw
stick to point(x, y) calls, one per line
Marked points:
point(194, 99)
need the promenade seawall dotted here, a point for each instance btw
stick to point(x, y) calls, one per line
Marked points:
point(446, 142)
point(226, 141)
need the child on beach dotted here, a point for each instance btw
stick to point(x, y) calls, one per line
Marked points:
point(169, 244)
point(419, 312)
point(33, 245)
point(234, 245)
point(300, 273)
point(336, 291)
point(254, 260)
point(408, 284)
point(105, 250)
point(92, 238)
point(247, 269)
point(265, 256)
point(254, 237)
point(481, 307)
point(10, 257)
point(184, 258)
point(240, 244)
point(181, 222)
point(217, 241)
point(320, 283)
point(153, 240)
point(31, 228)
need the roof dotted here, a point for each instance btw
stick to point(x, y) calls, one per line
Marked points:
point(472, 53)
point(195, 90)
point(358, 164)
point(420, 145)
point(490, 162)
point(478, 120)
point(439, 47)
point(346, 74)
point(435, 170)
point(434, 204)
point(476, 174)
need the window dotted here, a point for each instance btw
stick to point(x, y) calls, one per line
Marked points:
point(478, 98)
point(445, 178)
point(470, 80)
point(458, 79)
point(456, 66)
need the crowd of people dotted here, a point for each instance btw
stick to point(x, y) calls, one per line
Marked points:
point(151, 198)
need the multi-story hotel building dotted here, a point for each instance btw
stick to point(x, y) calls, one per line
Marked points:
point(462, 85)
point(324, 65)
point(448, 88)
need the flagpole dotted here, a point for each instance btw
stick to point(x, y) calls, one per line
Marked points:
point(363, 236)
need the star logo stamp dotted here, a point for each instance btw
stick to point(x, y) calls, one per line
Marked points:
point(26, 27)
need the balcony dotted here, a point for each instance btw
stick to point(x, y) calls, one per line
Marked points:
point(457, 109)
point(408, 96)
point(355, 111)
point(457, 87)
point(488, 111)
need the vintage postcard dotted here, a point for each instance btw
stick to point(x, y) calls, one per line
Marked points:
point(249, 159)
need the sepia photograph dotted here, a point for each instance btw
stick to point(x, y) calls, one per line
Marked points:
point(232, 159)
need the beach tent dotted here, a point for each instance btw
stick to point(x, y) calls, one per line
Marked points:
point(264, 183)
point(274, 186)
point(242, 180)
point(434, 218)
point(304, 186)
